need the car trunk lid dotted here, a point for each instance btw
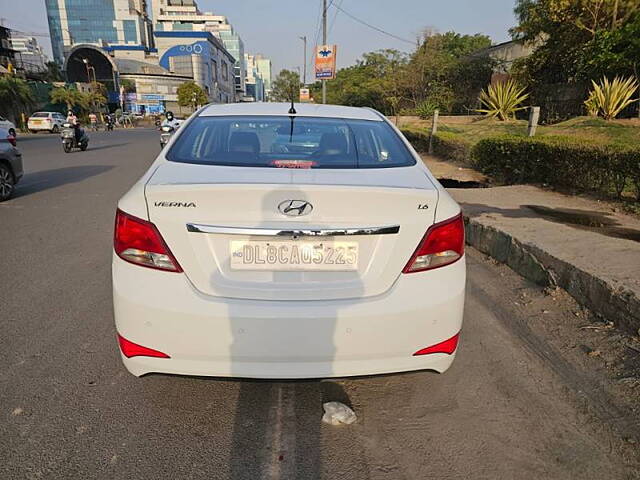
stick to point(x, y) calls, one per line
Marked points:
point(210, 214)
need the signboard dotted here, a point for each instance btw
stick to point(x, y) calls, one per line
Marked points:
point(305, 95)
point(152, 97)
point(325, 66)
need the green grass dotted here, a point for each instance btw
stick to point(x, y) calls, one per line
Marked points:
point(589, 128)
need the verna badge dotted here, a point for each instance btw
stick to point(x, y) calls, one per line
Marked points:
point(295, 208)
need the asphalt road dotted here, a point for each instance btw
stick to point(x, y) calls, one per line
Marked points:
point(511, 406)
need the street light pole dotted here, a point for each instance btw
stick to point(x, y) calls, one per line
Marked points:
point(86, 64)
point(324, 42)
point(304, 68)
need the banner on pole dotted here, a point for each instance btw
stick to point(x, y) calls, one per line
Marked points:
point(325, 65)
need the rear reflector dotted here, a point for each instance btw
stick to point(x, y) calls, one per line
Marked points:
point(442, 245)
point(448, 346)
point(138, 241)
point(130, 349)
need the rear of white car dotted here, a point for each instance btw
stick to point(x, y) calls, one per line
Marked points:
point(267, 245)
point(45, 121)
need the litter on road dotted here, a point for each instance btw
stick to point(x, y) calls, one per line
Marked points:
point(336, 413)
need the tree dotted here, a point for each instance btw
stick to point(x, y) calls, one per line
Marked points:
point(286, 86)
point(15, 96)
point(53, 72)
point(129, 86)
point(614, 52)
point(69, 96)
point(190, 94)
point(448, 72)
point(570, 33)
point(550, 18)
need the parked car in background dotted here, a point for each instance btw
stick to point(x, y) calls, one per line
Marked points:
point(49, 121)
point(10, 164)
point(4, 123)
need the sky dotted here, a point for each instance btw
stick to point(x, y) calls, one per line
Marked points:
point(272, 27)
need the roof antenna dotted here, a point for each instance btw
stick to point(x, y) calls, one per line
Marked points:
point(292, 110)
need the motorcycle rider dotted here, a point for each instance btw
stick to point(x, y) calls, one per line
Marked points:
point(170, 120)
point(75, 124)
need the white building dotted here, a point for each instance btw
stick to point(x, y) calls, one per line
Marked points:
point(184, 16)
point(28, 53)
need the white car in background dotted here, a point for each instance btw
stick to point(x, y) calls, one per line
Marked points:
point(46, 121)
point(9, 126)
point(269, 244)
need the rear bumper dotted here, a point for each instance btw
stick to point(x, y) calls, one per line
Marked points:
point(41, 126)
point(224, 337)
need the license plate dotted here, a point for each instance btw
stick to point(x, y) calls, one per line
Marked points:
point(294, 255)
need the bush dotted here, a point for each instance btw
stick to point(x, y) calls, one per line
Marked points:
point(453, 147)
point(560, 161)
point(418, 138)
point(446, 145)
point(425, 109)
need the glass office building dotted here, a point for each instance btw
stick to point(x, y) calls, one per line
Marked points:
point(120, 23)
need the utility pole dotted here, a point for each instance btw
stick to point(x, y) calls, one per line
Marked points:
point(324, 42)
point(304, 68)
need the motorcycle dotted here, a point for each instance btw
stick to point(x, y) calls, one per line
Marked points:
point(166, 132)
point(110, 124)
point(69, 141)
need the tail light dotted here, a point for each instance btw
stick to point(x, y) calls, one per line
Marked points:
point(130, 349)
point(442, 245)
point(138, 241)
point(12, 140)
point(448, 346)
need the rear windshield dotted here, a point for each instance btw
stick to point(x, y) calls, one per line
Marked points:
point(40, 115)
point(290, 142)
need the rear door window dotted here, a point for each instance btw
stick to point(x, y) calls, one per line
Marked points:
point(291, 142)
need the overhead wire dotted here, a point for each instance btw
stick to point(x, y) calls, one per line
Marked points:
point(353, 17)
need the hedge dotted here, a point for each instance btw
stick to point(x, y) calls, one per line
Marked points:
point(560, 161)
point(446, 145)
point(451, 146)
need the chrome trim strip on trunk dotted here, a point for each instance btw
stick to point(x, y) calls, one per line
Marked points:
point(307, 232)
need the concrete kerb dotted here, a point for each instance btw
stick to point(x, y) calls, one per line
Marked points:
point(612, 302)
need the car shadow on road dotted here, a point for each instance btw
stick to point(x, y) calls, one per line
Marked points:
point(46, 179)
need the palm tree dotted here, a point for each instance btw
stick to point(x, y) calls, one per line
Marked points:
point(68, 96)
point(15, 96)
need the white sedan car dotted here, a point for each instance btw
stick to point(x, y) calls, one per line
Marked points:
point(264, 243)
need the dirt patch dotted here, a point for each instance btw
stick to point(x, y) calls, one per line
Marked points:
point(598, 362)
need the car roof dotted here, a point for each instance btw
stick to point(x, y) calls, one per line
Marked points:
point(302, 110)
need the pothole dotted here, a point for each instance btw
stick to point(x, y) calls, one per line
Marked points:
point(453, 183)
point(599, 222)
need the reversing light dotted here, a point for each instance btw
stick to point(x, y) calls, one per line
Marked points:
point(130, 349)
point(442, 245)
point(448, 346)
point(138, 241)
